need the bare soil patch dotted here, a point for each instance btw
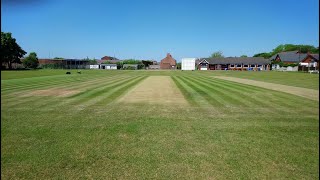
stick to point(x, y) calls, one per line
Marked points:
point(155, 90)
point(52, 92)
point(303, 92)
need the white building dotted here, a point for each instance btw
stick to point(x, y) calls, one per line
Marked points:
point(94, 67)
point(188, 64)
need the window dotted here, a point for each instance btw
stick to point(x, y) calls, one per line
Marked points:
point(238, 65)
point(259, 65)
point(246, 65)
point(252, 65)
point(232, 65)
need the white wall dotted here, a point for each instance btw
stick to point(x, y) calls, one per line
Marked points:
point(94, 66)
point(188, 63)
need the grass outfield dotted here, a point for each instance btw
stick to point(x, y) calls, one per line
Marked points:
point(227, 131)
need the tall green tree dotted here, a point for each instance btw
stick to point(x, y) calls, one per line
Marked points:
point(264, 54)
point(292, 47)
point(217, 54)
point(31, 61)
point(11, 52)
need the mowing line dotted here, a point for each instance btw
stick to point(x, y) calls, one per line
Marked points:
point(193, 94)
point(85, 84)
point(254, 101)
point(221, 91)
point(95, 101)
point(50, 82)
point(186, 93)
point(212, 100)
point(123, 90)
point(45, 82)
point(57, 85)
point(83, 97)
point(303, 92)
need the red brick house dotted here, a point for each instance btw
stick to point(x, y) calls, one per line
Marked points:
point(168, 62)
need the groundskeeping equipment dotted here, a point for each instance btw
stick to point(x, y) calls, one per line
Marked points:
point(188, 64)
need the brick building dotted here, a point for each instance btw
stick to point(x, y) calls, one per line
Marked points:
point(168, 62)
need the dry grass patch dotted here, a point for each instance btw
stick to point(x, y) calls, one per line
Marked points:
point(303, 92)
point(155, 90)
point(52, 92)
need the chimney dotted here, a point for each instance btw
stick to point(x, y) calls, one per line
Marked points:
point(168, 55)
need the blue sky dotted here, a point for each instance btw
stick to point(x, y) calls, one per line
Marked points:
point(148, 29)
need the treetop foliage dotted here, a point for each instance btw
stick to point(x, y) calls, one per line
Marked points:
point(11, 52)
point(216, 54)
point(31, 61)
point(288, 47)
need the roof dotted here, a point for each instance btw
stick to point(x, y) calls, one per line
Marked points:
point(109, 58)
point(290, 56)
point(237, 60)
point(316, 56)
point(109, 64)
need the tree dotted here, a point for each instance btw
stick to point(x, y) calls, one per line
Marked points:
point(264, 55)
point(179, 65)
point(11, 52)
point(146, 63)
point(58, 58)
point(243, 56)
point(31, 61)
point(292, 47)
point(216, 54)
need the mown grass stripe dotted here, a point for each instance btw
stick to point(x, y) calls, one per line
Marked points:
point(196, 96)
point(97, 92)
point(281, 98)
point(99, 101)
point(116, 94)
point(49, 82)
point(249, 99)
point(57, 85)
point(65, 101)
point(230, 97)
point(212, 100)
point(45, 81)
point(239, 93)
point(185, 92)
point(34, 99)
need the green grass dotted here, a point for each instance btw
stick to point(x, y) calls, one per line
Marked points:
point(229, 131)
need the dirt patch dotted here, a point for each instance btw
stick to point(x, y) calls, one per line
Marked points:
point(303, 92)
point(155, 90)
point(52, 92)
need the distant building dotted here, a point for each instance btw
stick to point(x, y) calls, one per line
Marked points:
point(109, 58)
point(306, 61)
point(234, 63)
point(63, 63)
point(154, 67)
point(168, 62)
point(108, 66)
